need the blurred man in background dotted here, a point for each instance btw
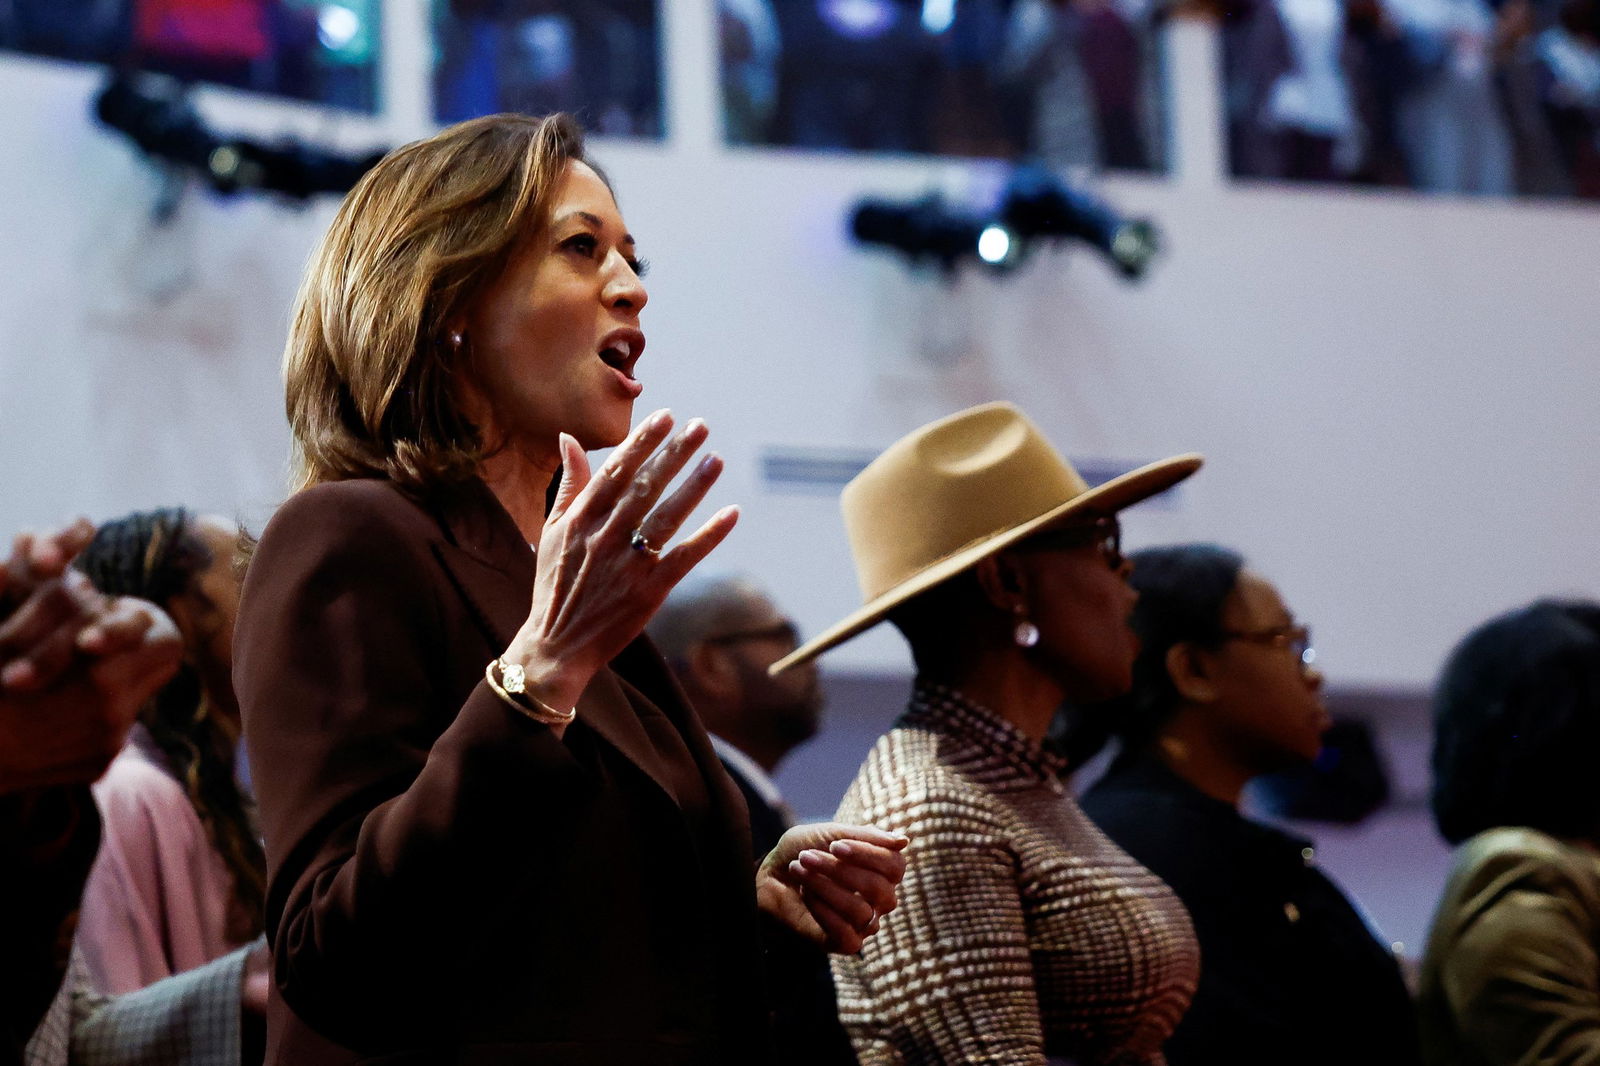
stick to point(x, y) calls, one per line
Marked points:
point(720, 633)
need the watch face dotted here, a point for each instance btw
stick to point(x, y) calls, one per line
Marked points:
point(513, 678)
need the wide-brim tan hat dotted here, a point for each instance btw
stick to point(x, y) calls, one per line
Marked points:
point(955, 491)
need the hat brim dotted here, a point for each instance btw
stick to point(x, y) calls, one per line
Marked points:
point(1108, 498)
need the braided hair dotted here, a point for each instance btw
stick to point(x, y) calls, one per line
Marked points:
point(157, 556)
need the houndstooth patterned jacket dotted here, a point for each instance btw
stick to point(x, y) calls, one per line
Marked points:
point(190, 1019)
point(1023, 935)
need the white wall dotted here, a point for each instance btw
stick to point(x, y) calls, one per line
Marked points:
point(1396, 393)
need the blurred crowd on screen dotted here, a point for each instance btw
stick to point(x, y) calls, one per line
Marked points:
point(319, 50)
point(1485, 97)
point(598, 59)
point(1490, 97)
point(1075, 82)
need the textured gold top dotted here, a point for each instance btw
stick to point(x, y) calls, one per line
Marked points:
point(1023, 934)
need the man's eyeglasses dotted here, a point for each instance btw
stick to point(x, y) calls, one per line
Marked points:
point(781, 631)
point(1104, 533)
point(1296, 638)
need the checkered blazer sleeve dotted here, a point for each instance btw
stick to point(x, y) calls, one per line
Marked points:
point(51, 1041)
point(190, 1019)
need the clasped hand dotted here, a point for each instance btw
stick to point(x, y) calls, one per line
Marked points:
point(832, 883)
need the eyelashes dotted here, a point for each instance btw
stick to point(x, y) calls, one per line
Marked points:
point(586, 244)
point(582, 243)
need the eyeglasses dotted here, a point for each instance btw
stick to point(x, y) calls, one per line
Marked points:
point(781, 631)
point(1104, 533)
point(1296, 639)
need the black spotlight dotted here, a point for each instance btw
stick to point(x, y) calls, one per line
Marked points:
point(154, 112)
point(1035, 206)
point(926, 229)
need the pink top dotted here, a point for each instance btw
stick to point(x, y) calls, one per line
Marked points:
point(156, 902)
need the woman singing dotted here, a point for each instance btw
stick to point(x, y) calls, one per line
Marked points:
point(495, 832)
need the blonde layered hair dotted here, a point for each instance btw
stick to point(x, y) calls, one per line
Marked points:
point(371, 376)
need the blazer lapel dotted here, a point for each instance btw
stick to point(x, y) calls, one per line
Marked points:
point(641, 662)
point(493, 568)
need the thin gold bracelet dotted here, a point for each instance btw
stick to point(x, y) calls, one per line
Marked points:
point(512, 692)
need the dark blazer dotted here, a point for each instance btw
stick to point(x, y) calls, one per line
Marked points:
point(805, 1010)
point(767, 823)
point(48, 840)
point(1289, 971)
point(449, 882)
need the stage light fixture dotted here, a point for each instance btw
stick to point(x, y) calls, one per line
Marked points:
point(1034, 206)
point(923, 230)
point(1038, 204)
point(155, 113)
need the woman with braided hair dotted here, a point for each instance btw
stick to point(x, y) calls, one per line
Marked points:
point(180, 878)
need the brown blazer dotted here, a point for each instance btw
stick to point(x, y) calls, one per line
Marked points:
point(449, 882)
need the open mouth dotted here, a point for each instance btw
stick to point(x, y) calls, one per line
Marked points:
point(621, 350)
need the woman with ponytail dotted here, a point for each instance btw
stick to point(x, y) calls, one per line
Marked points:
point(180, 878)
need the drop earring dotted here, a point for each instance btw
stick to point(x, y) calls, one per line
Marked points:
point(1025, 633)
point(457, 339)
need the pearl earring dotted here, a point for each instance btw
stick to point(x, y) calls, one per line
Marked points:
point(1026, 634)
point(456, 339)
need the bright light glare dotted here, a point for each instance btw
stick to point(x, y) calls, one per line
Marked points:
point(994, 244)
point(859, 20)
point(937, 15)
point(337, 26)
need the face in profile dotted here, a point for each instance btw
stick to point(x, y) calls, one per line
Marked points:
point(791, 703)
point(1081, 601)
point(1267, 702)
point(555, 339)
point(207, 610)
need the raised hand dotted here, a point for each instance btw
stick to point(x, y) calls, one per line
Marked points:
point(603, 566)
point(831, 882)
point(43, 606)
point(75, 665)
point(36, 558)
point(69, 732)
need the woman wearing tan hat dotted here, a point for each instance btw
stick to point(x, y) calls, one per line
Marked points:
point(1023, 935)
